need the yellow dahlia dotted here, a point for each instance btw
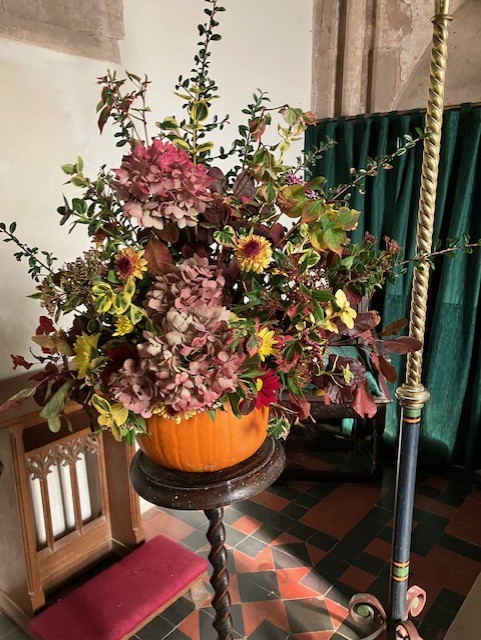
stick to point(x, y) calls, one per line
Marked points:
point(267, 342)
point(130, 263)
point(83, 348)
point(253, 253)
point(123, 326)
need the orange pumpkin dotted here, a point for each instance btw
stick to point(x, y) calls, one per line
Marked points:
point(202, 444)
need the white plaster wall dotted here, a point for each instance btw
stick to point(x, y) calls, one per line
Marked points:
point(48, 115)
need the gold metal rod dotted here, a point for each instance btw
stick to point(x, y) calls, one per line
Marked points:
point(427, 201)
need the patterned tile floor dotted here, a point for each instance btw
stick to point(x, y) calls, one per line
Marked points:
point(298, 551)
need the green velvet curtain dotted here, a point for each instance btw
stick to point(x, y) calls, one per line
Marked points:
point(451, 431)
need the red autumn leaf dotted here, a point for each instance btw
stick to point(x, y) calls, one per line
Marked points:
point(387, 370)
point(300, 405)
point(46, 325)
point(220, 181)
point(244, 186)
point(363, 402)
point(401, 346)
point(277, 232)
point(19, 361)
point(393, 328)
point(159, 259)
point(363, 323)
point(353, 297)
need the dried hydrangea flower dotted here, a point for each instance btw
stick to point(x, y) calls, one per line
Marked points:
point(160, 184)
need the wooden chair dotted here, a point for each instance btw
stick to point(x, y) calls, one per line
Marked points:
point(326, 434)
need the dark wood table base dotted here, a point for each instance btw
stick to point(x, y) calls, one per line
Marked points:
point(210, 492)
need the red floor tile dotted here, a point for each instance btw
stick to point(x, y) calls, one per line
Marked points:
point(247, 525)
point(379, 548)
point(357, 578)
point(271, 501)
point(465, 532)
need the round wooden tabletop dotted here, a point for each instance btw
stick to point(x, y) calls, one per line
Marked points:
point(183, 490)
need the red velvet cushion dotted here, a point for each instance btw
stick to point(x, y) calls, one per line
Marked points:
point(115, 602)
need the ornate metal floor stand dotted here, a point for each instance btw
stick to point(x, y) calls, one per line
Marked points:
point(210, 492)
point(412, 395)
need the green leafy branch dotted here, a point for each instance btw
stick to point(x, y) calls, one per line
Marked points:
point(35, 264)
point(198, 91)
point(118, 106)
point(373, 165)
point(98, 209)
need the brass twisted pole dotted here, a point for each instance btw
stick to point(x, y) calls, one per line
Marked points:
point(412, 395)
point(429, 179)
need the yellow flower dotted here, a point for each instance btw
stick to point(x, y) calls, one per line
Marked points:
point(83, 348)
point(130, 263)
point(123, 326)
point(327, 323)
point(111, 416)
point(345, 313)
point(253, 253)
point(161, 411)
point(267, 342)
point(347, 374)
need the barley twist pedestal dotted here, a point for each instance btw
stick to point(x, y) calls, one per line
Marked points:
point(210, 492)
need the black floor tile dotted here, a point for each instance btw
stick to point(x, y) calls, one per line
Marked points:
point(288, 556)
point(294, 511)
point(195, 541)
point(266, 533)
point(232, 536)
point(453, 544)
point(370, 563)
point(268, 631)
point(251, 546)
point(449, 600)
point(178, 611)
point(258, 586)
point(308, 615)
point(331, 568)
point(157, 628)
point(424, 538)
point(6, 625)
point(301, 531)
point(347, 551)
point(322, 541)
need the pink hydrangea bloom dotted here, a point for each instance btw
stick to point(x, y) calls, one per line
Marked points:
point(160, 184)
point(194, 281)
point(189, 363)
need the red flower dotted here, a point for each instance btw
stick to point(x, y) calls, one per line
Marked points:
point(267, 386)
point(117, 357)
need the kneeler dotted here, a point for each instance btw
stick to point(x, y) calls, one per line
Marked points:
point(122, 599)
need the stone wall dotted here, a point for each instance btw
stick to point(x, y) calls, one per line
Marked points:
point(373, 55)
point(90, 28)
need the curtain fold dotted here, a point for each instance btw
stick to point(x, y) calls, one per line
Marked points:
point(451, 428)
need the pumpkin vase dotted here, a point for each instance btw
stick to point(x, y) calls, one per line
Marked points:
point(203, 444)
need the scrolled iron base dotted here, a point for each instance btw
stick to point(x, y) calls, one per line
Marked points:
point(407, 631)
point(366, 611)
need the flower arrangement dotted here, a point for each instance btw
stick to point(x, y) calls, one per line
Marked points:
point(195, 293)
